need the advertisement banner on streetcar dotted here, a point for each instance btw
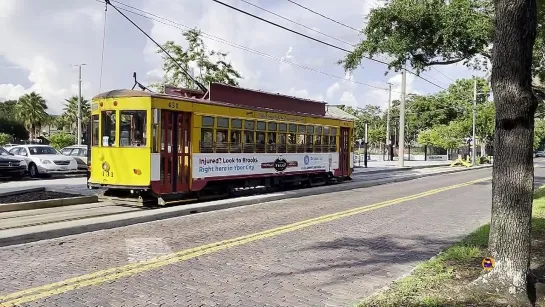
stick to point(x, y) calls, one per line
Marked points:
point(221, 165)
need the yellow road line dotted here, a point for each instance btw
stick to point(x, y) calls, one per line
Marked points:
point(102, 276)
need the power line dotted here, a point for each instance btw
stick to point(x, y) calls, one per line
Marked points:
point(443, 74)
point(235, 45)
point(317, 40)
point(321, 15)
point(202, 87)
point(299, 24)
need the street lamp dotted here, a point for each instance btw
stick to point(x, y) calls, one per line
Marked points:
point(79, 102)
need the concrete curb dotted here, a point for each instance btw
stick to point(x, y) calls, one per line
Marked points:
point(395, 169)
point(22, 191)
point(54, 230)
point(48, 203)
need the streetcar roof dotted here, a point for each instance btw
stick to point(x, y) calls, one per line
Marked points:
point(332, 111)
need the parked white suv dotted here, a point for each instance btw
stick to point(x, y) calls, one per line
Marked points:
point(44, 159)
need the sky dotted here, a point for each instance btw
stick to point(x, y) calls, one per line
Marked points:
point(45, 39)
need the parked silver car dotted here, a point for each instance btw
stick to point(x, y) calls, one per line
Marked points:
point(79, 153)
point(44, 159)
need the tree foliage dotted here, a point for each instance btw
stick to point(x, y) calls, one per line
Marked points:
point(4, 139)
point(211, 66)
point(31, 111)
point(425, 33)
point(61, 139)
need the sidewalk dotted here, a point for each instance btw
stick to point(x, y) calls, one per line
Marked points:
point(375, 166)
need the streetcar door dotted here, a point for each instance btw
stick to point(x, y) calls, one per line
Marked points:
point(344, 152)
point(183, 154)
point(166, 154)
point(175, 151)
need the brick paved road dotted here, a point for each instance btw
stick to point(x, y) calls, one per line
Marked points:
point(333, 263)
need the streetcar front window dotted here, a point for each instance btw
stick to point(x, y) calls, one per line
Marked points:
point(108, 128)
point(94, 130)
point(132, 128)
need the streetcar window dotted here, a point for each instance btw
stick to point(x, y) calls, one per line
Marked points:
point(272, 126)
point(309, 143)
point(262, 126)
point(207, 121)
point(325, 146)
point(94, 130)
point(292, 141)
point(271, 142)
point(249, 139)
point(333, 131)
point(326, 130)
point(293, 128)
point(236, 123)
point(282, 142)
point(333, 143)
point(234, 142)
point(221, 140)
point(260, 146)
point(310, 130)
point(300, 143)
point(249, 124)
point(206, 140)
point(132, 128)
point(108, 128)
point(223, 122)
point(282, 127)
point(302, 129)
point(318, 143)
point(318, 130)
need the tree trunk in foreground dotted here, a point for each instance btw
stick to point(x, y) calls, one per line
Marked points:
point(513, 171)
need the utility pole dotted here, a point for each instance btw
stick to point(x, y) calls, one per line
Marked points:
point(388, 138)
point(401, 154)
point(365, 148)
point(79, 104)
point(474, 152)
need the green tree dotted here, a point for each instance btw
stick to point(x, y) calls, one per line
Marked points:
point(60, 140)
point(212, 66)
point(539, 134)
point(4, 139)
point(70, 115)
point(31, 111)
point(8, 123)
point(437, 32)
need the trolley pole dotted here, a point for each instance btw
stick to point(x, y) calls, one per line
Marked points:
point(79, 105)
point(365, 148)
point(401, 154)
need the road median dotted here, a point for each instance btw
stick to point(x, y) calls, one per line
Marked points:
point(65, 228)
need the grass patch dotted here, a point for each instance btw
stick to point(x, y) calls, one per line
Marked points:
point(440, 280)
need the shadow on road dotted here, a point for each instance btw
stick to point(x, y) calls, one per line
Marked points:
point(347, 259)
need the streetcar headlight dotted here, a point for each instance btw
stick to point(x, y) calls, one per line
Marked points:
point(105, 166)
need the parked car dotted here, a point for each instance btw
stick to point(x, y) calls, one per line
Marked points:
point(45, 160)
point(79, 153)
point(11, 166)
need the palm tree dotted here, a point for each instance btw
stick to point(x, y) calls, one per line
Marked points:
point(70, 114)
point(30, 110)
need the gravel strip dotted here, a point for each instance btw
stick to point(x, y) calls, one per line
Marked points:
point(34, 196)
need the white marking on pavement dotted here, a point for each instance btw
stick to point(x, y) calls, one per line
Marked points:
point(142, 249)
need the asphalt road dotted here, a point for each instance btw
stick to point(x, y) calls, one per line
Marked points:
point(323, 250)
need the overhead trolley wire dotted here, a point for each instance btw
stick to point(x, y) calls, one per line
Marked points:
point(321, 15)
point(317, 40)
point(297, 23)
point(180, 26)
point(200, 85)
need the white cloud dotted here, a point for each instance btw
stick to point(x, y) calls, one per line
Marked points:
point(348, 99)
point(10, 91)
point(46, 38)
